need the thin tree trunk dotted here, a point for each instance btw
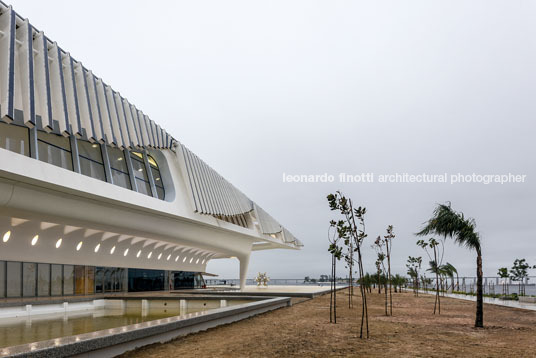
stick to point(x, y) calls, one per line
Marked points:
point(363, 294)
point(389, 277)
point(364, 314)
point(437, 285)
point(386, 299)
point(351, 292)
point(335, 290)
point(331, 292)
point(379, 283)
point(479, 322)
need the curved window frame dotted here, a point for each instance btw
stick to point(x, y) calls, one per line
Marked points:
point(141, 169)
point(158, 182)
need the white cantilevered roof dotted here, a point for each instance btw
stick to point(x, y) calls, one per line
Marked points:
point(47, 84)
point(211, 193)
point(56, 93)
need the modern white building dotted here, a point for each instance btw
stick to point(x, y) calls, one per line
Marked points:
point(97, 197)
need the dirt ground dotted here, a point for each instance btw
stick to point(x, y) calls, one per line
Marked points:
point(303, 330)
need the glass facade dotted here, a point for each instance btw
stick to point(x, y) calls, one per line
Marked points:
point(79, 280)
point(146, 280)
point(56, 280)
point(140, 173)
point(14, 279)
point(2, 279)
point(43, 279)
point(120, 175)
point(14, 138)
point(30, 279)
point(161, 193)
point(110, 279)
point(93, 160)
point(54, 149)
point(29, 276)
point(183, 280)
point(68, 280)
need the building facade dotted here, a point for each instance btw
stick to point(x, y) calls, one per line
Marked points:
point(94, 195)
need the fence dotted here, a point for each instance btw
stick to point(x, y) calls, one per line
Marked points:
point(275, 282)
point(491, 285)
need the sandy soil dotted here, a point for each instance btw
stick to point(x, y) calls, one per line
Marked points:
point(303, 330)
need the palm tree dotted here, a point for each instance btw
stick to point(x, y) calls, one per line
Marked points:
point(449, 223)
point(435, 269)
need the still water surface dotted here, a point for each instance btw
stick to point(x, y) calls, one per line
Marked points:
point(15, 331)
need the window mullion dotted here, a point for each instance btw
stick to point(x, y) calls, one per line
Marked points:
point(106, 163)
point(34, 153)
point(74, 154)
point(130, 168)
point(149, 174)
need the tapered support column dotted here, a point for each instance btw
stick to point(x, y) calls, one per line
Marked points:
point(244, 263)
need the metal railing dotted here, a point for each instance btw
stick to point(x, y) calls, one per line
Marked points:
point(492, 285)
point(274, 282)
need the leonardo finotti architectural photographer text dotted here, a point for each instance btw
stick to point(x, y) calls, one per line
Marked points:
point(443, 178)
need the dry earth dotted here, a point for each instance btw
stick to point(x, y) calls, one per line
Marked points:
point(303, 330)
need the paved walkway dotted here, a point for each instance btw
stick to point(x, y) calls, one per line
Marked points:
point(489, 300)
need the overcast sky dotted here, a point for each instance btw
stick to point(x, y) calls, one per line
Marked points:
point(262, 88)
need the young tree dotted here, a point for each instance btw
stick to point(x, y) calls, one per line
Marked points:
point(434, 265)
point(398, 282)
point(352, 228)
point(449, 223)
point(336, 252)
point(349, 259)
point(519, 273)
point(380, 266)
point(367, 282)
point(414, 266)
point(503, 273)
point(449, 270)
point(388, 239)
point(378, 275)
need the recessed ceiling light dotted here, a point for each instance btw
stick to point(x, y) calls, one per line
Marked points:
point(120, 158)
point(184, 259)
point(169, 256)
point(125, 253)
point(79, 246)
point(97, 248)
point(6, 237)
point(112, 250)
point(34, 240)
point(197, 261)
point(94, 145)
point(160, 256)
point(58, 243)
point(150, 254)
point(140, 169)
point(191, 260)
point(203, 262)
point(138, 254)
point(176, 258)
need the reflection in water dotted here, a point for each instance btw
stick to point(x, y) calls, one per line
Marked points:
point(116, 313)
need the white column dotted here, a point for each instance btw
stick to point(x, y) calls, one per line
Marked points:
point(144, 308)
point(244, 263)
point(182, 307)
